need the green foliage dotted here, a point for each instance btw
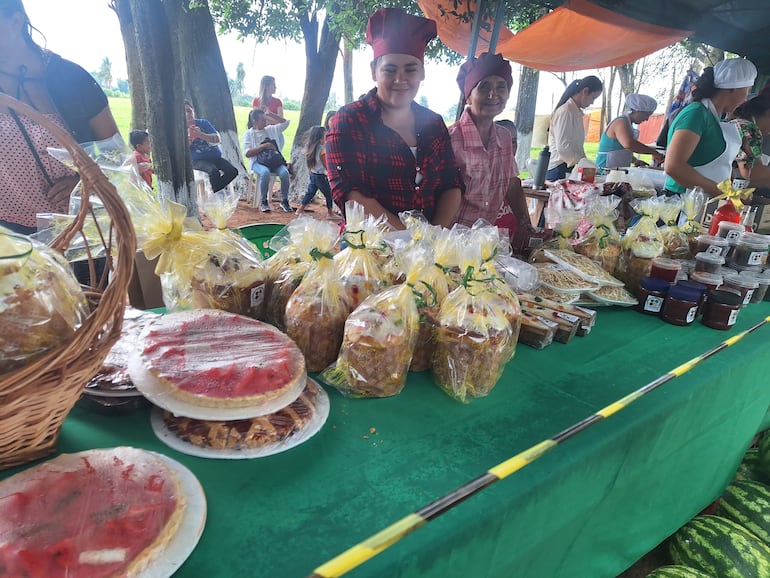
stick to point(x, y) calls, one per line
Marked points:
point(290, 104)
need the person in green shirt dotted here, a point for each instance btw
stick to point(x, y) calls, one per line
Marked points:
point(702, 148)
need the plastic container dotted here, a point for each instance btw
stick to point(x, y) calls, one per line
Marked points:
point(666, 269)
point(745, 284)
point(710, 280)
point(728, 229)
point(708, 263)
point(721, 309)
point(680, 306)
point(750, 250)
point(712, 244)
point(764, 282)
point(652, 294)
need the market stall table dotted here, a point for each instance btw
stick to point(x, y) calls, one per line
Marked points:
point(589, 508)
point(540, 198)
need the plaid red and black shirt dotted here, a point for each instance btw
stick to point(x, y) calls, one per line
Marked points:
point(365, 155)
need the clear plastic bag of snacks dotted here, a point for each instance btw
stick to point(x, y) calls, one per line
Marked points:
point(674, 241)
point(474, 334)
point(380, 335)
point(359, 263)
point(231, 277)
point(693, 204)
point(286, 268)
point(643, 239)
point(41, 302)
point(317, 309)
point(602, 244)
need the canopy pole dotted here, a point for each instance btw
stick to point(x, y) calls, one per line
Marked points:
point(471, 48)
point(499, 14)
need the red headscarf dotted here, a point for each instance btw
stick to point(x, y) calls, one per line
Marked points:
point(474, 70)
point(393, 31)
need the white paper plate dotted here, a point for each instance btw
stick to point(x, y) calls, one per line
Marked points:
point(190, 529)
point(152, 389)
point(308, 430)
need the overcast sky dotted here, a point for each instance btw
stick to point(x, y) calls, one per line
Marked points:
point(90, 33)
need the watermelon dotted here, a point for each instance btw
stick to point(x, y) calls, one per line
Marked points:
point(763, 451)
point(749, 468)
point(748, 504)
point(721, 548)
point(678, 572)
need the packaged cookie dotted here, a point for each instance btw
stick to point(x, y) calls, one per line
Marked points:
point(380, 335)
point(317, 309)
point(41, 302)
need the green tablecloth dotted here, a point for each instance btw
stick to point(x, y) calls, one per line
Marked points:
point(589, 508)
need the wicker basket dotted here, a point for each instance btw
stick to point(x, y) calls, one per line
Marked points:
point(36, 398)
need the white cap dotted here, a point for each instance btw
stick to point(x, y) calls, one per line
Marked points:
point(641, 103)
point(734, 73)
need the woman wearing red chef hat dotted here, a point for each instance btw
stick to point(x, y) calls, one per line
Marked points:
point(384, 150)
point(484, 150)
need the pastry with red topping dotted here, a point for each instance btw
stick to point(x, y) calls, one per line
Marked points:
point(217, 359)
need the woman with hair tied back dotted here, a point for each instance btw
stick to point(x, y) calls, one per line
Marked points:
point(620, 140)
point(701, 148)
point(566, 133)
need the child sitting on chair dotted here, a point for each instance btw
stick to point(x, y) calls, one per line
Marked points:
point(140, 142)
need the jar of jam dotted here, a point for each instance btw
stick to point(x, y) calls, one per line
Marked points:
point(750, 250)
point(666, 269)
point(680, 306)
point(710, 280)
point(712, 244)
point(744, 284)
point(708, 263)
point(721, 311)
point(764, 282)
point(652, 293)
point(730, 230)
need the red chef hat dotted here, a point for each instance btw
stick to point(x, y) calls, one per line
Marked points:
point(474, 70)
point(393, 31)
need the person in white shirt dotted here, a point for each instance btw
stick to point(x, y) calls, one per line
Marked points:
point(566, 134)
point(258, 138)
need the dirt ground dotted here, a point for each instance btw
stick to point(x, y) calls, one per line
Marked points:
point(246, 214)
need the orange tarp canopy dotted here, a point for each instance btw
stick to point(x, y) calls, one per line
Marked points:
point(576, 36)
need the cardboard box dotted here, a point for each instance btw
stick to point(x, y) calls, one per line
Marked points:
point(144, 291)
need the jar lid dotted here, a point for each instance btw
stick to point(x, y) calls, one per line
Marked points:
point(709, 258)
point(685, 293)
point(754, 240)
point(712, 240)
point(706, 278)
point(757, 276)
point(725, 297)
point(655, 284)
point(666, 263)
point(745, 268)
point(740, 280)
point(699, 288)
point(731, 226)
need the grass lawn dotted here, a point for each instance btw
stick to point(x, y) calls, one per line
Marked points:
point(121, 110)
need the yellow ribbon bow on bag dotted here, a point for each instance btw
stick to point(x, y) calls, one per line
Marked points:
point(736, 196)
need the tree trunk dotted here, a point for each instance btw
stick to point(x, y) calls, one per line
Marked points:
point(204, 80)
point(320, 62)
point(347, 70)
point(162, 78)
point(136, 86)
point(525, 114)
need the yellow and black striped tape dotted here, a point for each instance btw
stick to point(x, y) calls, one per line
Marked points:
point(360, 553)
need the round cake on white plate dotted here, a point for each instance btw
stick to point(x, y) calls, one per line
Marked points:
point(95, 514)
point(215, 359)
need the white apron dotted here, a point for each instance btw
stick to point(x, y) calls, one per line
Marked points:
point(721, 168)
